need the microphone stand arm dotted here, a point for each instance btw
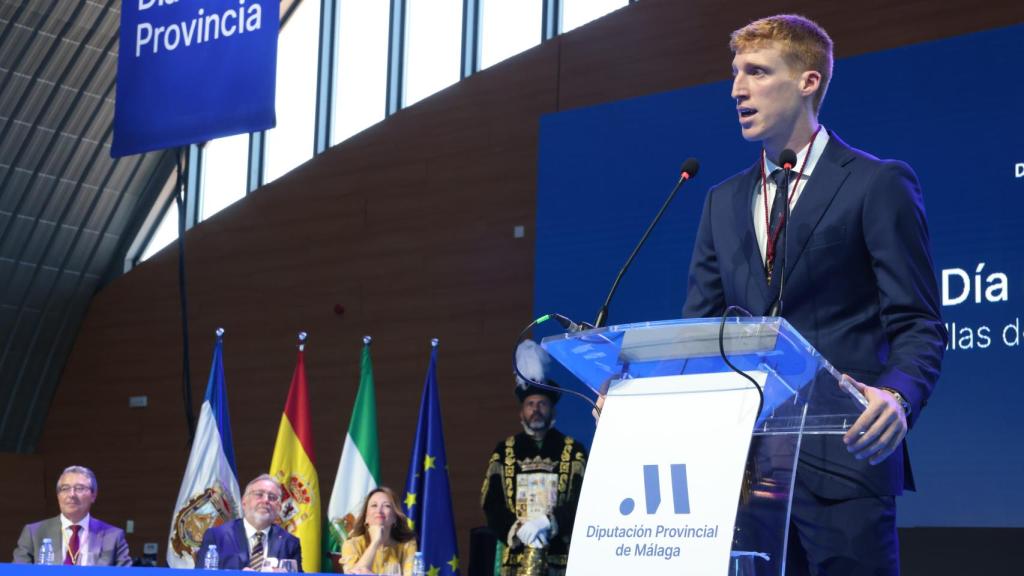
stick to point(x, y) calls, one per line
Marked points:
point(602, 315)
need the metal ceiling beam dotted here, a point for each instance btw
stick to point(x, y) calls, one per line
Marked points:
point(81, 275)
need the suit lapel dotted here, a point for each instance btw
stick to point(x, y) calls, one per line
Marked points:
point(241, 542)
point(52, 530)
point(95, 543)
point(821, 189)
point(273, 538)
point(743, 211)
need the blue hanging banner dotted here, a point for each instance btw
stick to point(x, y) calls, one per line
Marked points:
point(193, 70)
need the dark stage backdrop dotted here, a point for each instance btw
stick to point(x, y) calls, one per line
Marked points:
point(951, 109)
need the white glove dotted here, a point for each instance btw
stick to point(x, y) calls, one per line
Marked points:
point(535, 532)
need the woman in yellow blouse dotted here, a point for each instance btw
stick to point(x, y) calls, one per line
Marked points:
point(381, 541)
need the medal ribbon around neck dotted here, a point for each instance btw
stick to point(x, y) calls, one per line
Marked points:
point(77, 554)
point(773, 235)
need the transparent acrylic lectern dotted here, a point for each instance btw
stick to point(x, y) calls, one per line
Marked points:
point(650, 531)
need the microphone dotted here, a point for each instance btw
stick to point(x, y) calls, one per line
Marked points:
point(570, 326)
point(787, 159)
point(688, 171)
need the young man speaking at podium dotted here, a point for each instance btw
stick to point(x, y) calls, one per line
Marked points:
point(853, 274)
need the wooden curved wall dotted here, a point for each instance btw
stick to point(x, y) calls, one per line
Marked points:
point(409, 227)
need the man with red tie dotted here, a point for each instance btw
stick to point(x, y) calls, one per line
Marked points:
point(78, 538)
point(855, 277)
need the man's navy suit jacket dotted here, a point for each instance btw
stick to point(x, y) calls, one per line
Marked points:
point(233, 546)
point(860, 286)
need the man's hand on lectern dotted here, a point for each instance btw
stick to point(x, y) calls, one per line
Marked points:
point(879, 429)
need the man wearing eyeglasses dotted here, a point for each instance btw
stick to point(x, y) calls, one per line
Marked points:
point(78, 538)
point(248, 542)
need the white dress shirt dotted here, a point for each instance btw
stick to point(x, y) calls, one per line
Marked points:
point(250, 536)
point(760, 224)
point(83, 540)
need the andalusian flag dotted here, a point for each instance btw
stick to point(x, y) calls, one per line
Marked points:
point(209, 493)
point(428, 499)
point(294, 466)
point(359, 469)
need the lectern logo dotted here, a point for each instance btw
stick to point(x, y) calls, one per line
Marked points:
point(652, 491)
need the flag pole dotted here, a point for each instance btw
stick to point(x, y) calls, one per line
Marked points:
point(427, 499)
point(210, 478)
point(359, 467)
point(294, 466)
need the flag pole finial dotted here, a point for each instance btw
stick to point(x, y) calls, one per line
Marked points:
point(367, 340)
point(302, 341)
point(434, 342)
point(219, 332)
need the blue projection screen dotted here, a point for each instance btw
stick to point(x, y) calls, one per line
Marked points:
point(951, 109)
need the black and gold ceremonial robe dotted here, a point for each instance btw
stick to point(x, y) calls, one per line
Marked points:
point(525, 479)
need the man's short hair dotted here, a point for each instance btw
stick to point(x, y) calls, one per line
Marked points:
point(83, 471)
point(803, 43)
point(261, 478)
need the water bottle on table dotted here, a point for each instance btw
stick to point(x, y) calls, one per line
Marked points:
point(45, 555)
point(419, 567)
point(212, 559)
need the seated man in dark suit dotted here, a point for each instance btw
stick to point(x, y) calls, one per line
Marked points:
point(78, 538)
point(247, 542)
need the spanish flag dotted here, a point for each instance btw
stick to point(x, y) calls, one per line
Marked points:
point(294, 466)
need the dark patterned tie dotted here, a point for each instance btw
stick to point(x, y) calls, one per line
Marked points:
point(71, 557)
point(776, 223)
point(256, 556)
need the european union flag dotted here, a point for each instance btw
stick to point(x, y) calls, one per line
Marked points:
point(428, 499)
